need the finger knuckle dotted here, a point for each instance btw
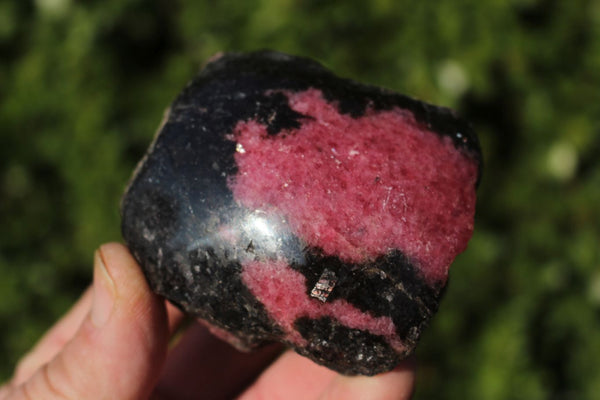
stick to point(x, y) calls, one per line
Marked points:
point(43, 385)
point(55, 386)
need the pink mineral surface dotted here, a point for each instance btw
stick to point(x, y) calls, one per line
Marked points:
point(357, 188)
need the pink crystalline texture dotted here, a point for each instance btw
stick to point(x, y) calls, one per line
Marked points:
point(360, 187)
point(281, 290)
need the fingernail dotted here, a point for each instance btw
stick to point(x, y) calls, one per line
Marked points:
point(104, 292)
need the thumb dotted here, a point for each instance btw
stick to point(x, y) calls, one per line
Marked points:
point(120, 348)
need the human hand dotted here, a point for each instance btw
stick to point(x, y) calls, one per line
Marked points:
point(114, 344)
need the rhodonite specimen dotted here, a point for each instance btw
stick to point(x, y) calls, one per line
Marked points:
point(279, 202)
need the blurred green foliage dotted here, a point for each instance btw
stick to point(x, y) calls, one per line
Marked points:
point(83, 85)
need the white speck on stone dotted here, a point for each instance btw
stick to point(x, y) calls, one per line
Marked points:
point(387, 197)
point(413, 332)
point(188, 275)
point(239, 148)
point(148, 235)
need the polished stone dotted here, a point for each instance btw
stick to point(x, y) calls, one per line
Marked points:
point(279, 202)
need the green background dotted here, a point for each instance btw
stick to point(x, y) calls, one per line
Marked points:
point(83, 85)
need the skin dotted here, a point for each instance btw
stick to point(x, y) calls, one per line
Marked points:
point(117, 342)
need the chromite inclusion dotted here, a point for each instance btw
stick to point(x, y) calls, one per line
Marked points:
point(287, 204)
